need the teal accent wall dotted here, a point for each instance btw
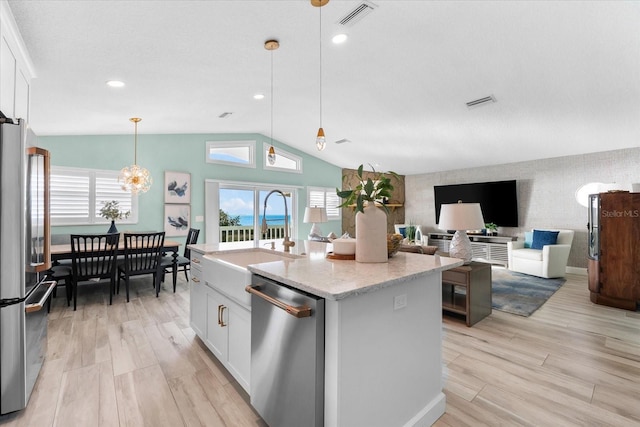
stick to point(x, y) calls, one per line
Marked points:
point(184, 153)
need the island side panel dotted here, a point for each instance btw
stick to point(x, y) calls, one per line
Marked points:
point(383, 367)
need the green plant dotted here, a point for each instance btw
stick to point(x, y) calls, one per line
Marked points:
point(491, 226)
point(111, 210)
point(369, 190)
point(227, 220)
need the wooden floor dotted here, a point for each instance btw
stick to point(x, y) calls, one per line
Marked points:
point(138, 364)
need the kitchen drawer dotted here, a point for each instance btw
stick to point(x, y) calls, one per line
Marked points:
point(196, 260)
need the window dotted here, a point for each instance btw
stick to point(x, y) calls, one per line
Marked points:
point(285, 161)
point(77, 195)
point(234, 153)
point(234, 212)
point(325, 198)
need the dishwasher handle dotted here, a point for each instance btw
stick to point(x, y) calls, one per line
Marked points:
point(298, 312)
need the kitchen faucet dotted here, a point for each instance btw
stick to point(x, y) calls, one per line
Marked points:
point(286, 243)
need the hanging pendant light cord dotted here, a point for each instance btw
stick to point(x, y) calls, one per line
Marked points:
point(271, 136)
point(320, 43)
point(135, 143)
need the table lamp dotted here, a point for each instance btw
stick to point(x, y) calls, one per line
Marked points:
point(461, 217)
point(315, 215)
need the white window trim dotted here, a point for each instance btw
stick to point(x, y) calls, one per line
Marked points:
point(326, 190)
point(284, 153)
point(251, 145)
point(212, 205)
point(93, 215)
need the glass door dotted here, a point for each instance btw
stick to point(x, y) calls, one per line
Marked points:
point(594, 226)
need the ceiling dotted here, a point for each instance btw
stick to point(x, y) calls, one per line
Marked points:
point(565, 75)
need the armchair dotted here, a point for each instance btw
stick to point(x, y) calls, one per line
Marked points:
point(548, 262)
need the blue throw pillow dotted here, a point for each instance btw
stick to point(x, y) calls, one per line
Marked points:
point(528, 239)
point(541, 238)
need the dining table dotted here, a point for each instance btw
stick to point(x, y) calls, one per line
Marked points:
point(62, 251)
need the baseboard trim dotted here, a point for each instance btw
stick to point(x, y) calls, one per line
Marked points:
point(582, 271)
point(430, 413)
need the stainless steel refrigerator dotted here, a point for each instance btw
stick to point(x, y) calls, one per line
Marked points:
point(24, 259)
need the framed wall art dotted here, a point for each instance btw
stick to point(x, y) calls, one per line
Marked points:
point(177, 219)
point(177, 187)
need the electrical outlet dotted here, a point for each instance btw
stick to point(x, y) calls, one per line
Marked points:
point(399, 302)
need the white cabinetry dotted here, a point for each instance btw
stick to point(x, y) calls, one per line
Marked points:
point(221, 314)
point(16, 69)
point(492, 249)
point(198, 300)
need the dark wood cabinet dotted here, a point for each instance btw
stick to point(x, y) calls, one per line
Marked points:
point(614, 273)
point(466, 290)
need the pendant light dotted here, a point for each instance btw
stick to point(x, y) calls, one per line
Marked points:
point(321, 141)
point(135, 179)
point(271, 45)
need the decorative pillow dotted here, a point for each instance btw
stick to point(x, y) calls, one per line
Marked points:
point(541, 238)
point(528, 239)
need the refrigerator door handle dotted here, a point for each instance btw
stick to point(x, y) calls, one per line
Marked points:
point(30, 307)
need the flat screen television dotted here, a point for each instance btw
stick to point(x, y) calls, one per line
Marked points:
point(498, 200)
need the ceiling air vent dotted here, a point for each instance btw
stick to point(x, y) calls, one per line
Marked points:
point(359, 12)
point(224, 115)
point(342, 141)
point(482, 101)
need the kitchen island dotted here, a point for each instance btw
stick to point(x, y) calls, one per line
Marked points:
point(383, 326)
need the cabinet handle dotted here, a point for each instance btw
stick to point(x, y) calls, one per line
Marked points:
point(195, 260)
point(222, 324)
point(219, 310)
point(195, 280)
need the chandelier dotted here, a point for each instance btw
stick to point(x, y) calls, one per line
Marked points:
point(134, 178)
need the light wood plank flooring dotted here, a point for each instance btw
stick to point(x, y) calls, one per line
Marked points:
point(138, 364)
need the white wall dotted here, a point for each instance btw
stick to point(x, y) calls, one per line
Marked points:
point(546, 191)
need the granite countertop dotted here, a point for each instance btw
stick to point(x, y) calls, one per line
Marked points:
point(339, 279)
point(335, 279)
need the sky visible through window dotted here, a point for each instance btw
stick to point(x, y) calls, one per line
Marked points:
point(240, 203)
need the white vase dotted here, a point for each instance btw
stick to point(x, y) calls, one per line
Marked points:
point(371, 235)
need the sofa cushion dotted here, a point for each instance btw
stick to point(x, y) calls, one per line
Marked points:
point(544, 237)
point(528, 239)
point(532, 254)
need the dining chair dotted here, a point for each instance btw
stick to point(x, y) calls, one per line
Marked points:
point(180, 262)
point(142, 254)
point(93, 256)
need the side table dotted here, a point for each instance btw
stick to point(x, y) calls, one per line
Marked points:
point(466, 290)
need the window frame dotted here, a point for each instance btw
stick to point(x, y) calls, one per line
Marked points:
point(212, 205)
point(284, 153)
point(93, 216)
point(325, 191)
point(250, 145)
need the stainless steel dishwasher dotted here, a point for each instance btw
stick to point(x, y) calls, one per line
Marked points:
point(287, 354)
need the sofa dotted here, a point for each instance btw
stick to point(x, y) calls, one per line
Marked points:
point(540, 254)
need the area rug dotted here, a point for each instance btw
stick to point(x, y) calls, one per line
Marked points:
point(519, 293)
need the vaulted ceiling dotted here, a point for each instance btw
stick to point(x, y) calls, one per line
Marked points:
point(565, 75)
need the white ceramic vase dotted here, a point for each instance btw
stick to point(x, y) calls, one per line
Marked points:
point(371, 235)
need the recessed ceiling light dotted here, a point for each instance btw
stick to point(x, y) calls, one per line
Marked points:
point(339, 38)
point(258, 96)
point(115, 83)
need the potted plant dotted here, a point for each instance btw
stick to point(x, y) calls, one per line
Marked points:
point(371, 222)
point(111, 211)
point(492, 229)
point(369, 190)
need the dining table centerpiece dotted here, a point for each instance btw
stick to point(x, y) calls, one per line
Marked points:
point(111, 210)
point(371, 213)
